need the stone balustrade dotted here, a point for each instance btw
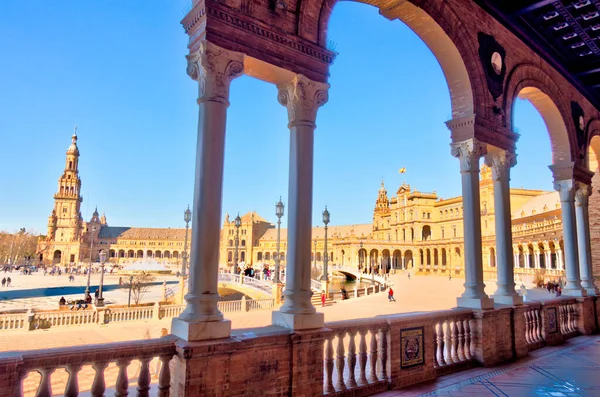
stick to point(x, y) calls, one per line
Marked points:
point(453, 342)
point(346, 358)
point(106, 366)
point(36, 320)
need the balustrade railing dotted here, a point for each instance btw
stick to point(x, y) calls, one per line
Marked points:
point(98, 368)
point(230, 306)
point(259, 304)
point(13, 321)
point(170, 311)
point(130, 313)
point(315, 285)
point(453, 340)
point(355, 355)
point(45, 320)
point(567, 318)
point(533, 326)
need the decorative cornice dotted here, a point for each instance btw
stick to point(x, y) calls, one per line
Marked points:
point(214, 68)
point(281, 39)
point(468, 153)
point(302, 97)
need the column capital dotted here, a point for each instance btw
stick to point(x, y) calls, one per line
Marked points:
point(582, 194)
point(565, 189)
point(302, 97)
point(214, 68)
point(500, 162)
point(468, 153)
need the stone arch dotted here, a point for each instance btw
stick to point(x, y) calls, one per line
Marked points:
point(408, 260)
point(441, 30)
point(444, 259)
point(492, 257)
point(140, 254)
point(397, 259)
point(130, 254)
point(426, 233)
point(529, 82)
point(229, 256)
point(57, 257)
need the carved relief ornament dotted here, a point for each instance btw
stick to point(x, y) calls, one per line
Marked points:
point(302, 97)
point(468, 153)
point(214, 68)
point(500, 163)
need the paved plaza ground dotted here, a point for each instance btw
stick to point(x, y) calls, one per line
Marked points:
point(568, 370)
point(418, 294)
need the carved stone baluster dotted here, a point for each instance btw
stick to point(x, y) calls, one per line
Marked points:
point(468, 338)
point(573, 317)
point(383, 353)
point(144, 377)
point(538, 320)
point(373, 356)
point(362, 357)
point(164, 378)
point(99, 385)
point(527, 315)
point(439, 341)
point(340, 361)
point(122, 384)
point(562, 320)
point(454, 337)
point(461, 341)
point(45, 388)
point(351, 360)
point(447, 343)
point(329, 364)
point(72, 387)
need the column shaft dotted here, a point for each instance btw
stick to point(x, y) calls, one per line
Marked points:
point(583, 239)
point(302, 97)
point(214, 68)
point(469, 152)
point(501, 163)
point(566, 190)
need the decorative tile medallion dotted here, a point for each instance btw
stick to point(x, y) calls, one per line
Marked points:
point(552, 323)
point(412, 349)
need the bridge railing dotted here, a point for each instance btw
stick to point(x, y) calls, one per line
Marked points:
point(250, 282)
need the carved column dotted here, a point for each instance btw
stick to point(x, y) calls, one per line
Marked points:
point(469, 152)
point(302, 97)
point(583, 238)
point(214, 68)
point(566, 190)
point(501, 161)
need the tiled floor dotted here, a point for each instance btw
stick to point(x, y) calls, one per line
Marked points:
point(572, 369)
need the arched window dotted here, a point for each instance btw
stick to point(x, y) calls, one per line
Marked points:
point(267, 256)
point(229, 256)
point(243, 256)
point(259, 256)
point(230, 243)
point(243, 243)
point(318, 257)
point(70, 165)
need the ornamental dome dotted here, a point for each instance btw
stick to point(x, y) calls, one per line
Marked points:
point(73, 149)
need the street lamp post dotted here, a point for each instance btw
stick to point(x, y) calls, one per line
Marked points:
point(187, 217)
point(87, 289)
point(325, 277)
point(238, 223)
point(100, 299)
point(325, 254)
point(279, 207)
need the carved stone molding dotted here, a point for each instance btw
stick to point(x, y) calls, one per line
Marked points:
point(468, 153)
point(214, 68)
point(302, 98)
point(565, 188)
point(500, 162)
point(582, 195)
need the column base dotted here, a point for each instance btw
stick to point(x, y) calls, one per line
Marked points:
point(201, 330)
point(592, 291)
point(514, 300)
point(296, 321)
point(475, 303)
point(580, 292)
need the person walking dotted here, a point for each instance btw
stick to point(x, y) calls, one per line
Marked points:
point(408, 275)
point(450, 276)
point(4, 281)
point(8, 280)
point(391, 295)
point(323, 298)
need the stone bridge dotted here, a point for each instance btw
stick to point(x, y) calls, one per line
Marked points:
point(255, 289)
point(355, 274)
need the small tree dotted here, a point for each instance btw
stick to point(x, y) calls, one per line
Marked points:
point(139, 284)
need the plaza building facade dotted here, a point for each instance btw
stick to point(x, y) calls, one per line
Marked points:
point(411, 230)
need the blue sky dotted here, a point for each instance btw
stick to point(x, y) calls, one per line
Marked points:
point(117, 70)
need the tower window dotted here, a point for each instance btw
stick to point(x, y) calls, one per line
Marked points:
point(70, 165)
